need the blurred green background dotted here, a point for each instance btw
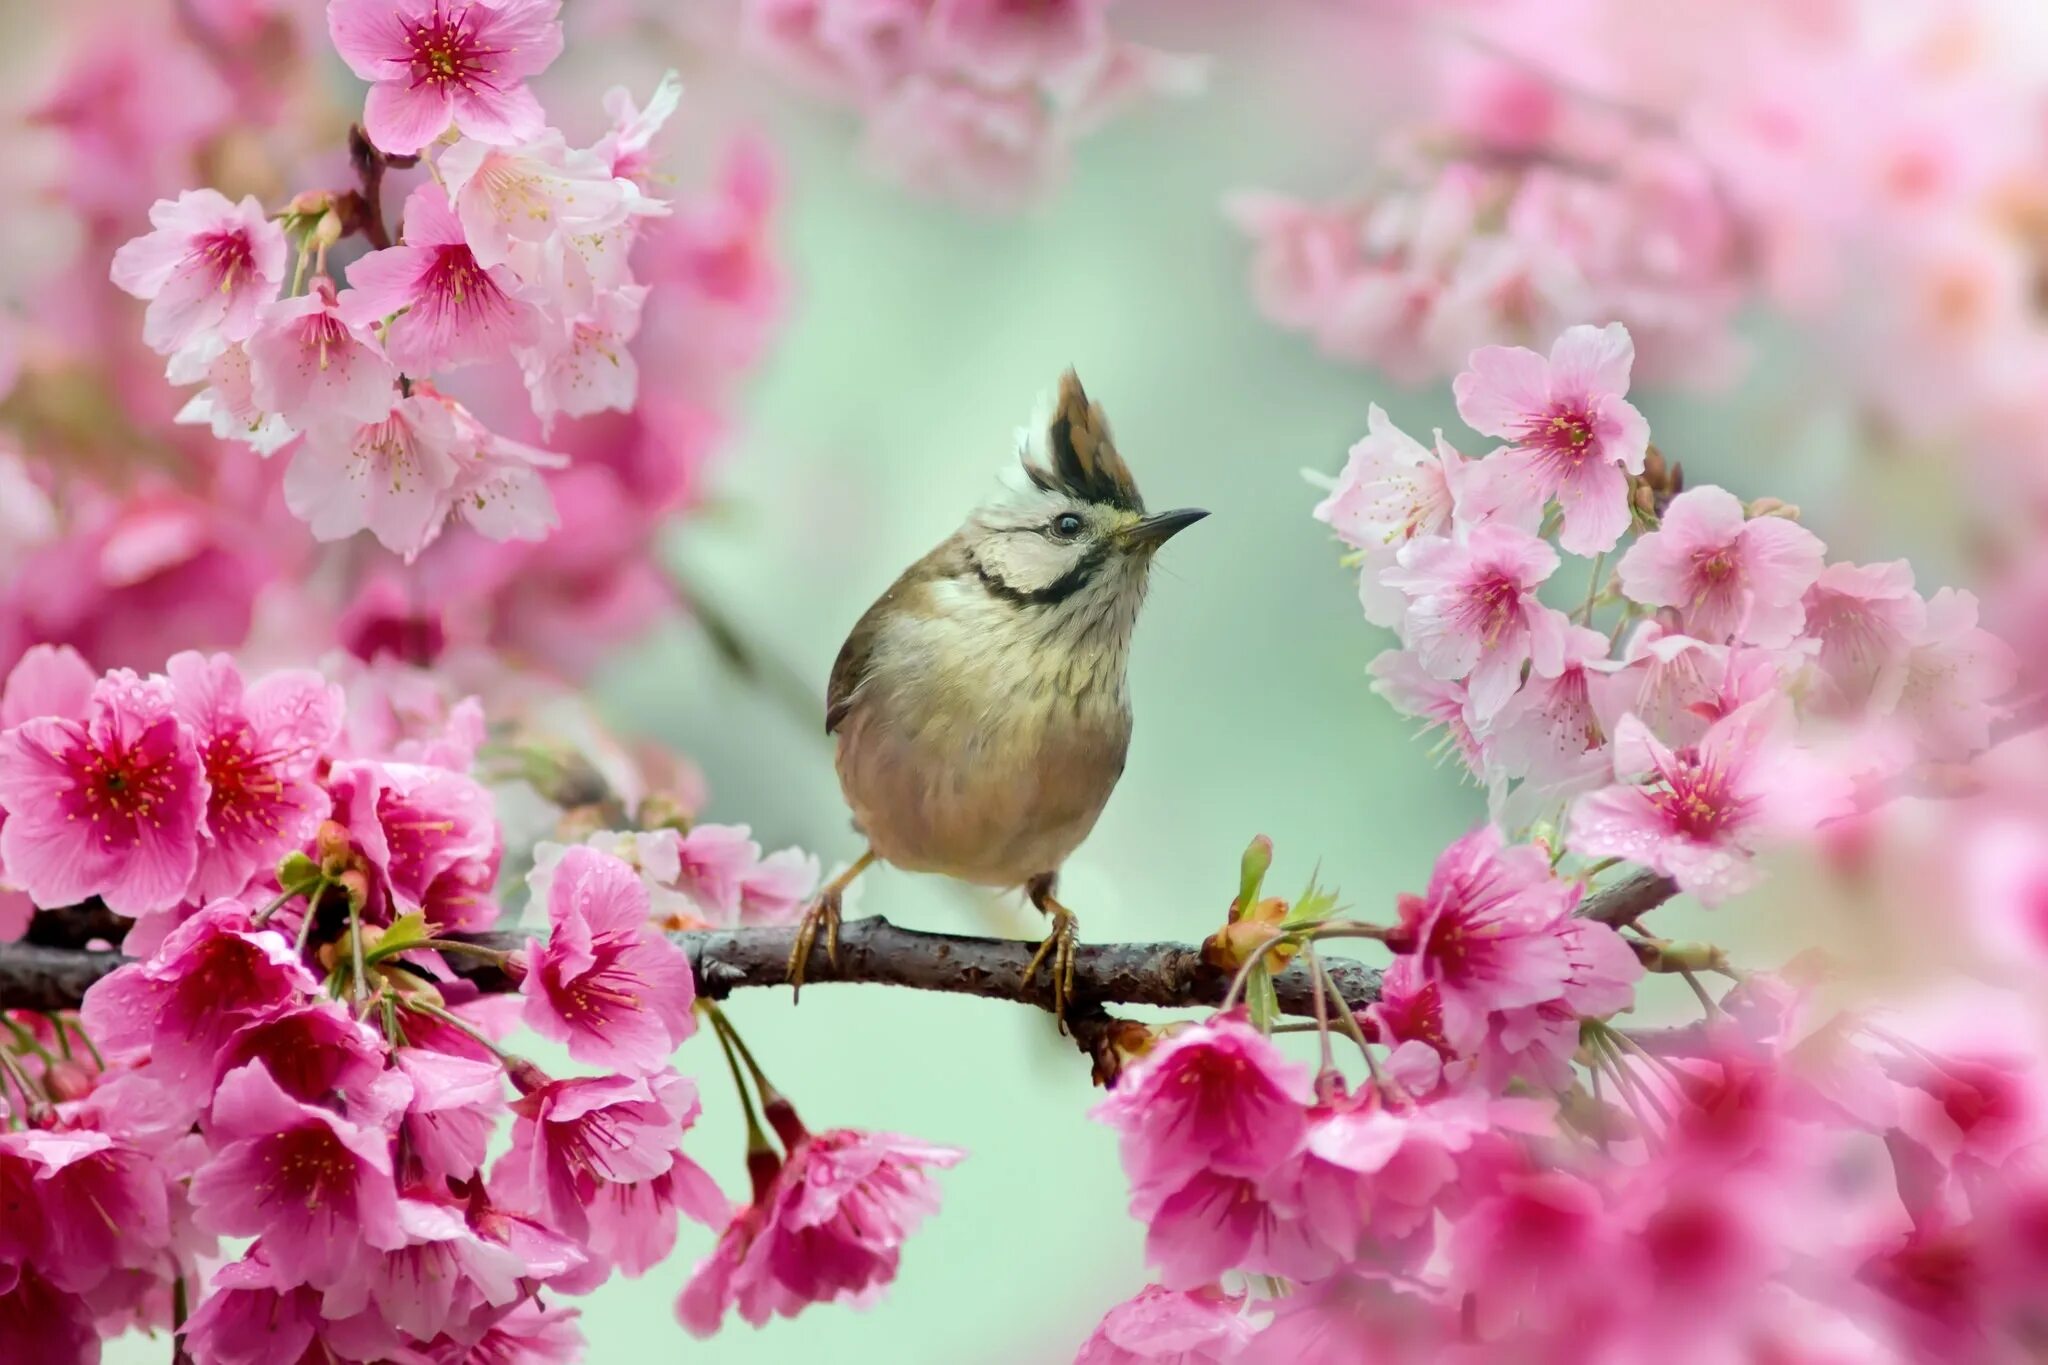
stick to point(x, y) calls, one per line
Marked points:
point(919, 339)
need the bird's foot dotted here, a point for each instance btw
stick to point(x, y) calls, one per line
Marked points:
point(1059, 946)
point(822, 914)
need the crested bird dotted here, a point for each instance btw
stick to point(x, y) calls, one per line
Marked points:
point(980, 705)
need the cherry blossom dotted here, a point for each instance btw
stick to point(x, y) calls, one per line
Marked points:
point(433, 62)
point(1571, 434)
point(309, 366)
point(393, 477)
point(1727, 576)
point(1391, 491)
point(1472, 610)
point(1704, 809)
point(207, 267)
point(1203, 1327)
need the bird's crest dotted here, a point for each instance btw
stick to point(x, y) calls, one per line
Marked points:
point(1071, 452)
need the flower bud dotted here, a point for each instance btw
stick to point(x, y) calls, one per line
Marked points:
point(310, 203)
point(1772, 507)
point(664, 810)
point(296, 871)
point(332, 846)
point(781, 1116)
point(65, 1079)
point(1258, 857)
point(355, 884)
point(526, 1078)
point(1230, 947)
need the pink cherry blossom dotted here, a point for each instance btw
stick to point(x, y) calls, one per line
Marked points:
point(393, 477)
point(1217, 1096)
point(313, 1185)
point(433, 62)
point(1530, 1257)
point(42, 1323)
point(528, 1335)
point(1170, 1327)
point(829, 1225)
point(574, 1139)
point(316, 1053)
point(441, 1275)
point(1403, 683)
point(1304, 255)
point(452, 309)
point(1353, 1317)
point(1487, 932)
point(254, 1314)
point(1864, 615)
point(512, 202)
point(1390, 492)
point(1667, 680)
point(776, 889)
point(107, 1205)
point(848, 51)
point(1728, 578)
point(500, 492)
point(1947, 687)
point(1473, 613)
point(310, 367)
point(455, 1106)
point(1005, 43)
point(1571, 434)
point(1216, 1223)
point(227, 406)
point(617, 993)
point(207, 268)
point(429, 837)
point(1701, 811)
point(1537, 1042)
point(107, 806)
point(627, 145)
point(990, 150)
point(258, 746)
point(212, 975)
point(1550, 731)
point(586, 365)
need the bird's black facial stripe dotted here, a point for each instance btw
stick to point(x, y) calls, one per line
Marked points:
point(1059, 590)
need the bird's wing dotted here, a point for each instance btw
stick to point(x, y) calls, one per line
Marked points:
point(856, 657)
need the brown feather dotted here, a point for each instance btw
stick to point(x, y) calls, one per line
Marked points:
point(1085, 459)
point(851, 668)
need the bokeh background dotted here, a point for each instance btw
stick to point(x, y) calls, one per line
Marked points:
point(917, 336)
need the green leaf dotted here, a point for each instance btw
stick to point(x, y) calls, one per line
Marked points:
point(1314, 904)
point(407, 931)
point(1251, 872)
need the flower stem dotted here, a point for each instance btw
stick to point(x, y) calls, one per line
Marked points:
point(757, 1137)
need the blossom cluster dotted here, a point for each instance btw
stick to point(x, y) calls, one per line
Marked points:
point(518, 247)
point(1522, 1174)
point(1720, 711)
point(294, 1060)
point(972, 100)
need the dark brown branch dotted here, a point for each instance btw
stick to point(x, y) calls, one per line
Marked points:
point(34, 975)
point(871, 950)
point(1629, 900)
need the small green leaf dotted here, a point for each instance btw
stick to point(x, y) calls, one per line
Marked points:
point(1314, 904)
point(407, 931)
point(1251, 872)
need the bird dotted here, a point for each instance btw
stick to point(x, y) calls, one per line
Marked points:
point(980, 707)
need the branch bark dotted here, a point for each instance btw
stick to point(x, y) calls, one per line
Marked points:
point(872, 951)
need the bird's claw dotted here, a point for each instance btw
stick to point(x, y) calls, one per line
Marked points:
point(823, 913)
point(1059, 945)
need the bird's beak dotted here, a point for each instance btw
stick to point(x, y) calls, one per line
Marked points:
point(1153, 532)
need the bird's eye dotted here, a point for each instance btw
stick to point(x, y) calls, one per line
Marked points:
point(1066, 525)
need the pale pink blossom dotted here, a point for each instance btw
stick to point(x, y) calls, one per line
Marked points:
point(1728, 578)
point(314, 1186)
point(776, 889)
point(1391, 491)
point(1536, 1043)
point(1669, 681)
point(1947, 688)
point(1402, 682)
point(227, 406)
point(586, 364)
point(259, 746)
point(1217, 1096)
point(828, 1225)
point(308, 366)
point(512, 202)
point(1004, 43)
point(1572, 435)
point(393, 477)
point(446, 307)
point(1170, 1327)
point(1473, 613)
point(1864, 616)
point(605, 984)
point(846, 49)
point(991, 150)
point(1700, 812)
point(627, 146)
point(1550, 731)
point(107, 805)
point(1304, 255)
point(207, 267)
point(433, 62)
point(1487, 932)
point(500, 490)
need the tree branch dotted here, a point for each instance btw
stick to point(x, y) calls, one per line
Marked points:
point(871, 951)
